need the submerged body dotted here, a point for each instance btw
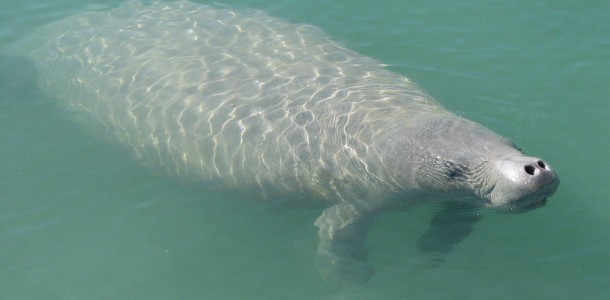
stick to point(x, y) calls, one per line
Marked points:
point(250, 102)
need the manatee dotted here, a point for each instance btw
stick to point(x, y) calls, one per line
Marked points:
point(243, 101)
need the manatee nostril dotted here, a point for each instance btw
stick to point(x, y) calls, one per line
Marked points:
point(529, 169)
point(541, 164)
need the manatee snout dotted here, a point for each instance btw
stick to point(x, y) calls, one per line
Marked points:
point(531, 171)
point(524, 184)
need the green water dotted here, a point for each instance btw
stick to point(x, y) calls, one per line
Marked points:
point(80, 219)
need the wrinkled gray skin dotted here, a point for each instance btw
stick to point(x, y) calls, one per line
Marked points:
point(244, 101)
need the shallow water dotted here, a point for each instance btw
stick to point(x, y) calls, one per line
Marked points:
point(82, 220)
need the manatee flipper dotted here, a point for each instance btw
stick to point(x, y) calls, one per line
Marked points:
point(452, 224)
point(342, 257)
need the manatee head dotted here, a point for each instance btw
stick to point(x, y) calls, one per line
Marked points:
point(457, 159)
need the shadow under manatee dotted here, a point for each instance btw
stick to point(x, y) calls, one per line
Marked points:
point(449, 226)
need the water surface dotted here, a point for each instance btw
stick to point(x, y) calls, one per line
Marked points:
point(81, 219)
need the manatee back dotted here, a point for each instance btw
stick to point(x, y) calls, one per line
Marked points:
point(237, 96)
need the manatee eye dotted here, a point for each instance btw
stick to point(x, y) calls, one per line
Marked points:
point(455, 171)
